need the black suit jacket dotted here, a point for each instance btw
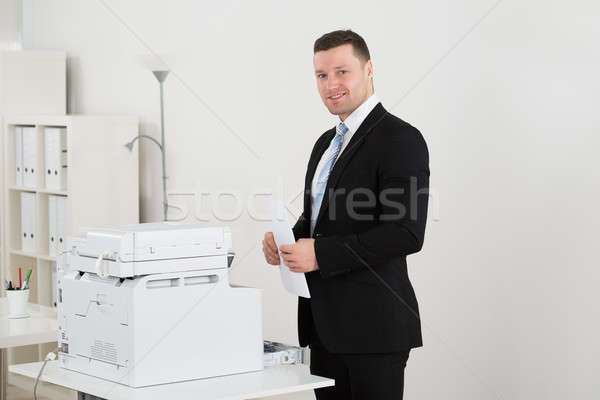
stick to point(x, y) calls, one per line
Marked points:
point(372, 216)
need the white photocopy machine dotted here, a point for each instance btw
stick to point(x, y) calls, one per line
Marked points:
point(151, 304)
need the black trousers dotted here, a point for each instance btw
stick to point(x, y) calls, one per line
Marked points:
point(359, 376)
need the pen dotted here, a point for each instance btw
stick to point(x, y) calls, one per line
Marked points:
point(10, 287)
point(28, 277)
point(20, 283)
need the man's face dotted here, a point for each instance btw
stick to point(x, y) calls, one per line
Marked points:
point(343, 80)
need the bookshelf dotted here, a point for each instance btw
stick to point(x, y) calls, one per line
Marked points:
point(101, 190)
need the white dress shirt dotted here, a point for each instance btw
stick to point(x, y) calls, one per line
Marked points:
point(352, 122)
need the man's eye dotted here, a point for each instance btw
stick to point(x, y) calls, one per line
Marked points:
point(321, 76)
point(342, 72)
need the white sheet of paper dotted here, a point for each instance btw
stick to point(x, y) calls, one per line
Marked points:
point(294, 282)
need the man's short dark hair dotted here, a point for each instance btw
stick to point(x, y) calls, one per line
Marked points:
point(340, 38)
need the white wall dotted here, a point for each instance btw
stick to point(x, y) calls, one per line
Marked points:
point(506, 97)
point(11, 24)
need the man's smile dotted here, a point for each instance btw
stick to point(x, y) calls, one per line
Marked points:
point(336, 96)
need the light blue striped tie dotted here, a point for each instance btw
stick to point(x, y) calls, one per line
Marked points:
point(333, 151)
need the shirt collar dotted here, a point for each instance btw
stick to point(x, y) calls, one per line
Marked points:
point(357, 116)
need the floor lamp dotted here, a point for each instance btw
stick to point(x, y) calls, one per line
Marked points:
point(160, 76)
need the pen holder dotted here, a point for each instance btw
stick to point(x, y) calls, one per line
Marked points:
point(17, 303)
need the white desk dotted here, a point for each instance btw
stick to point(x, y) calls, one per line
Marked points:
point(270, 382)
point(40, 327)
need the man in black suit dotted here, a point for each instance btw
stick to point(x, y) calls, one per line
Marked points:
point(365, 207)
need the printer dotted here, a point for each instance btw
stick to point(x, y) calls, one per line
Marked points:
point(151, 304)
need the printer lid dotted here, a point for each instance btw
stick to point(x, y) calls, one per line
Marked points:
point(154, 241)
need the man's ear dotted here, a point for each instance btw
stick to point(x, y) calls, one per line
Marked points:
point(369, 66)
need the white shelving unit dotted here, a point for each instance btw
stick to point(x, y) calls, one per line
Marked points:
point(102, 190)
point(2, 196)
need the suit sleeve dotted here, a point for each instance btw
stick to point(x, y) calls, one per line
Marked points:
point(403, 185)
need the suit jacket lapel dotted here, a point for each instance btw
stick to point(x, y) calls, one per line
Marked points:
point(344, 158)
point(314, 162)
point(310, 172)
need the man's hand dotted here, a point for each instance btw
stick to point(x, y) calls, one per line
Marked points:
point(270, 249)
point(300, 257)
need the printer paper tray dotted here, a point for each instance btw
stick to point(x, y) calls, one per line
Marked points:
point(108, 363)
point(130, 269)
